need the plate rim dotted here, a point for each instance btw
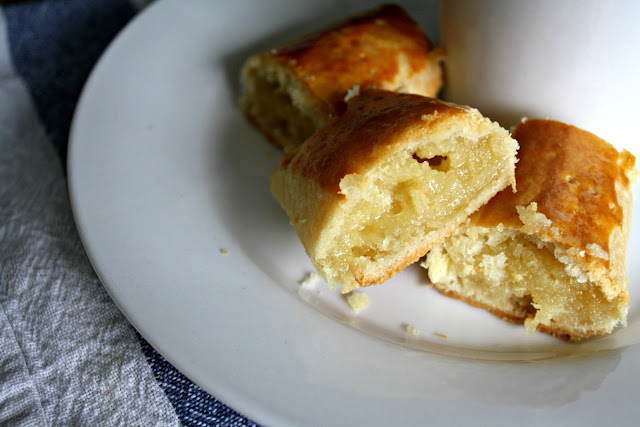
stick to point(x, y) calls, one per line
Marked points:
point(251, 408)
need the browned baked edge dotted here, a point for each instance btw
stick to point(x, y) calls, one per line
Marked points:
point(370, 128)
point(346, 43)
point(413, 257)
point(262, 129)
point(570, 174)
point(512, 318)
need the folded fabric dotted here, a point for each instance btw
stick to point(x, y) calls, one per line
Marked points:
point(67, 355)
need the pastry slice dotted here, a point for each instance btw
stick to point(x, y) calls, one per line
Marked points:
point(291, 91)
point(551, 255)
point(375, 189)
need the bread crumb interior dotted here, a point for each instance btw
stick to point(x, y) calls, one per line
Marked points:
point(412, 194)
point(276, 109)
point(529, 284)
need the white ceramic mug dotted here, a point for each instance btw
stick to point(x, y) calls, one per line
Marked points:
point(573, 61)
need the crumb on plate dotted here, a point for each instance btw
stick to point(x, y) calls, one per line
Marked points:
point(309, 280)
point(411, 330)
point(358, 301)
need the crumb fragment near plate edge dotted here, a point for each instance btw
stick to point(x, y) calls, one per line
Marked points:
point(358, 301)
point(411, 330)
point(309, 280)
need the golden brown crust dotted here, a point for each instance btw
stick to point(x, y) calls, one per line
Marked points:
point(291, 91)
point(571, 175)
point(581, 184)
point(365, 280)
point(513, 317)
point(363, 50)
point(374, 123)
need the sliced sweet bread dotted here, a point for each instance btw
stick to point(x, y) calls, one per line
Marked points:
point(291, 91)
point(375, 189)
point(551, 255)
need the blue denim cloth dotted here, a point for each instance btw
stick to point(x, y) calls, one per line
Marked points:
point(51, 47)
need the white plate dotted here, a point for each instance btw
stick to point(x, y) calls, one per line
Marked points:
point(165, 173)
